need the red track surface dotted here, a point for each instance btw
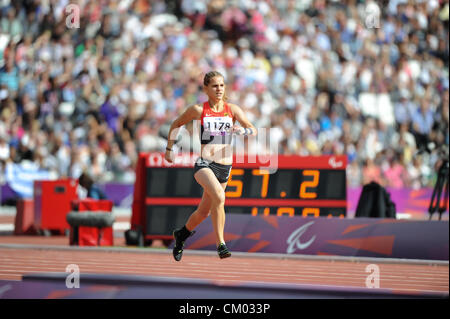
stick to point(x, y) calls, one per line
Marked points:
point(412, 278)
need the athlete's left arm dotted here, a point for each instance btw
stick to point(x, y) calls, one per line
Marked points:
point(246, 128)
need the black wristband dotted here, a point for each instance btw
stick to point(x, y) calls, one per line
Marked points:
point(168, 149)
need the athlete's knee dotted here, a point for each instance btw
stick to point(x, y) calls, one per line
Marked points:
point(218, 197)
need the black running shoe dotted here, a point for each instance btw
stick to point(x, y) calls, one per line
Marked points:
point(179, 244)
point(223, 251)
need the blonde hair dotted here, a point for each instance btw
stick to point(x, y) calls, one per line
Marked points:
point(209, 76)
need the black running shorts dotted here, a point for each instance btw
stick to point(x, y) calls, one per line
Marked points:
point(222, 172)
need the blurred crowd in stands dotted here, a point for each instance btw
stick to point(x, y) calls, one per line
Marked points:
point(362, 78)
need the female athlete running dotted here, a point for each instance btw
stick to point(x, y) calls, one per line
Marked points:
point(212, 168)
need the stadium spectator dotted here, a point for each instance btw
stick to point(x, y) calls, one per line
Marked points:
point(92, 190)
point(4, 149)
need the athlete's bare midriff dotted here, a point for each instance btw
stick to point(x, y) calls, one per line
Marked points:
point(219, 153)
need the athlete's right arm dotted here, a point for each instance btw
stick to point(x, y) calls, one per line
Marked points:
point(193, 112)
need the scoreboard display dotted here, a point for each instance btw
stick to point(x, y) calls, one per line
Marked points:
point(166, 194)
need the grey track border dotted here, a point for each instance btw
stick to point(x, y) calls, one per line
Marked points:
point(353, 259)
